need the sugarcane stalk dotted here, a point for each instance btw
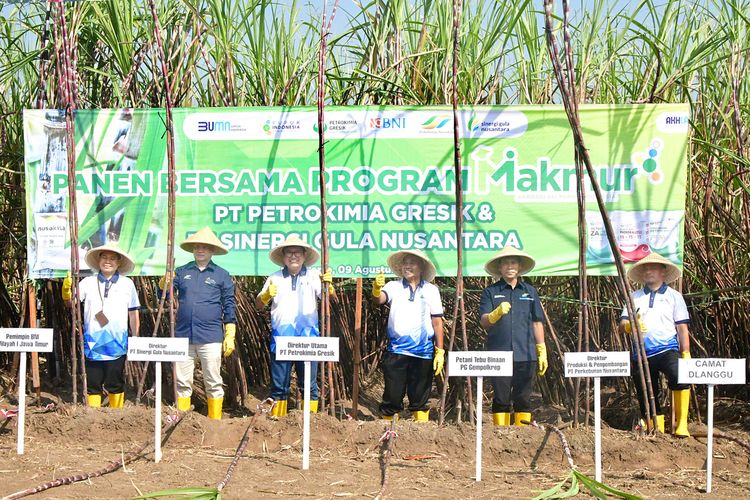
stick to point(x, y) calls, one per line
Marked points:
point(262, 410)
point(170, 182)
point(69, 81)
point(386, 451)
point(325, 323)
point(567, 89)
point(112, 466)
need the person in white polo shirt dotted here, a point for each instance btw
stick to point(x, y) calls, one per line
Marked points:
point(415, 333)
point(663, 320)
point(293, 292)
point(110, 309)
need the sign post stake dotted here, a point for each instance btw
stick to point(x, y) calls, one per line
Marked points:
point(480, 364)
point(306, 421)
point(597, 365)
point(24, 341)
point(710, 372)
point(710, 456)
point(157, 413)
point(21, 401)
point(597, 429)
point(158, 350)
point(308, 350)
point(480, 381)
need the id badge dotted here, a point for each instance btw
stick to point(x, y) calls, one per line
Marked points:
point(101, 318)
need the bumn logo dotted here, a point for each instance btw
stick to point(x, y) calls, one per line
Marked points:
point(214, 126)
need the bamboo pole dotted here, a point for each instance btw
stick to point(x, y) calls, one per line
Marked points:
point(356, 347)
point(35, 382)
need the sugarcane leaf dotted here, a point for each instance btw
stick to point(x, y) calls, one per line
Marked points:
point(195, 493)
point(595, 488)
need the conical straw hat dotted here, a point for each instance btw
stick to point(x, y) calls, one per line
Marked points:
point(92, 258)
point(527, 263)
point(635, 273)
point(396, 262)
point(204, 237)
point(277, 254)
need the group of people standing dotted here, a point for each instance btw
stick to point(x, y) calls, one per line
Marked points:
point(510, 312)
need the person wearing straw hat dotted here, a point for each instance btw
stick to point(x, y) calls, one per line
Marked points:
point(110, 308)
point(206, 316)
point(511, 313)
point(663, 321)
point(415, 333)
point(293, 292)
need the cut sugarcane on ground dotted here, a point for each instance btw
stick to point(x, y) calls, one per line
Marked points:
point(428, 460)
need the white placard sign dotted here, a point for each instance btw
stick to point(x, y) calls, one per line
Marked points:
point(480, 363)
point(26, 339)
point(711, 371)
point(157, 348)
point(307, 348)
point(714, 371)
point(597, 364)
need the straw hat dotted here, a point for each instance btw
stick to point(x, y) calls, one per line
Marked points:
point(526, 262)
point(635, 273)
point(204, 237)
point(396, 262)
point(277, 254)
point(92, 258)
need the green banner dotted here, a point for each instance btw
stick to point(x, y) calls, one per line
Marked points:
point(252, 175)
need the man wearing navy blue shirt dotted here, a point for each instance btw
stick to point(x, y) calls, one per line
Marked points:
point(663, 321)
point(206, 316)
point(511, 313)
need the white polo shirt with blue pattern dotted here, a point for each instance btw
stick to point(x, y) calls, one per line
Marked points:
point(115, 297)
point(410, 322)
point(661, 311)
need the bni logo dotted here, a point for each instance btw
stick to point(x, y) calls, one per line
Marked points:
point(382, 122)
point(213, 126)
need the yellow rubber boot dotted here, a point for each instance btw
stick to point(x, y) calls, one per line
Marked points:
point(659, 423)
point(314, 406)
point(421, 415)
point(681, 402)
point(501, 418)
point(214, 408)
point(519, 417)
point(183, 403)
point(94, 400)
point(279, 409)
point(117, 400)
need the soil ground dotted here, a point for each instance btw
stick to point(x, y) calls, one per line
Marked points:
point(429, 460)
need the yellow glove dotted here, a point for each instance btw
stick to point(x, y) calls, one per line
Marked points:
point(163, 281)
point(229, 331)
point(66, 293)
point(641, 325)
point(269, 293)
point(377, 287)
point(438, 361)
point(498, 312)
point(327, 278)
point(541, 354)
point(685, 355)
